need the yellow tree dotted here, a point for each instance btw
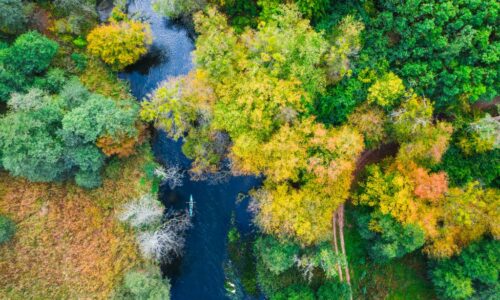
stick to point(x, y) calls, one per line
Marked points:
point(466, 215)
point(120, 44)
point(298, 200)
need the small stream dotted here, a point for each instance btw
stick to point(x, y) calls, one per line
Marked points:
point(199, 274)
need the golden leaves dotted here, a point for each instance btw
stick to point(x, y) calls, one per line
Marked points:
point(120, 44)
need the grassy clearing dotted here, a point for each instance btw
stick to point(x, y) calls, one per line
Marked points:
point(68, 243)
point(401, 279)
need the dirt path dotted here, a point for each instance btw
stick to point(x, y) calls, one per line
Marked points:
point(338, 220)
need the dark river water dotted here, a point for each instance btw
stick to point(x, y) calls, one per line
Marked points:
point(200, 273)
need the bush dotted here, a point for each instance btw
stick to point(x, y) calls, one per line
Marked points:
point(7, 229)
point(80, 15)
point(80, 42)
point(88, 180)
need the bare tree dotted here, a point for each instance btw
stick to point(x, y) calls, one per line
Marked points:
point(142, 212)
point(166, 242)
point(172, 175)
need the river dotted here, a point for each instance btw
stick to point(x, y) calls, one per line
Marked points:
point(200, 273)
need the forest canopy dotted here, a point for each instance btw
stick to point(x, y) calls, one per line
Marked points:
point(370, 128)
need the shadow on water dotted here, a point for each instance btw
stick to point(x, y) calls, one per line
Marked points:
point(199, 274)
point(155, 57)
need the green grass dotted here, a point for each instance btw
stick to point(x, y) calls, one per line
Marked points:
point(399, 279)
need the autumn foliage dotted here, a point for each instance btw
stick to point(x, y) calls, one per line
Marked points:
point(120, 44)
point(247, 101)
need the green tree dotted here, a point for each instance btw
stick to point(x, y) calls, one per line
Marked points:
point(387, 237)
point(30, 54)
point(278, 256)
point(10, 82)
point(29, 143)
point(472, 273)
point(462, 169)
point(97, 117)
point(52, 82)
point(12, 17)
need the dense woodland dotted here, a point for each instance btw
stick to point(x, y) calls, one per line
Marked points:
point(373, 125)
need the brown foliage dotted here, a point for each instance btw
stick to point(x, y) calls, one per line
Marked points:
point(68, 244)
